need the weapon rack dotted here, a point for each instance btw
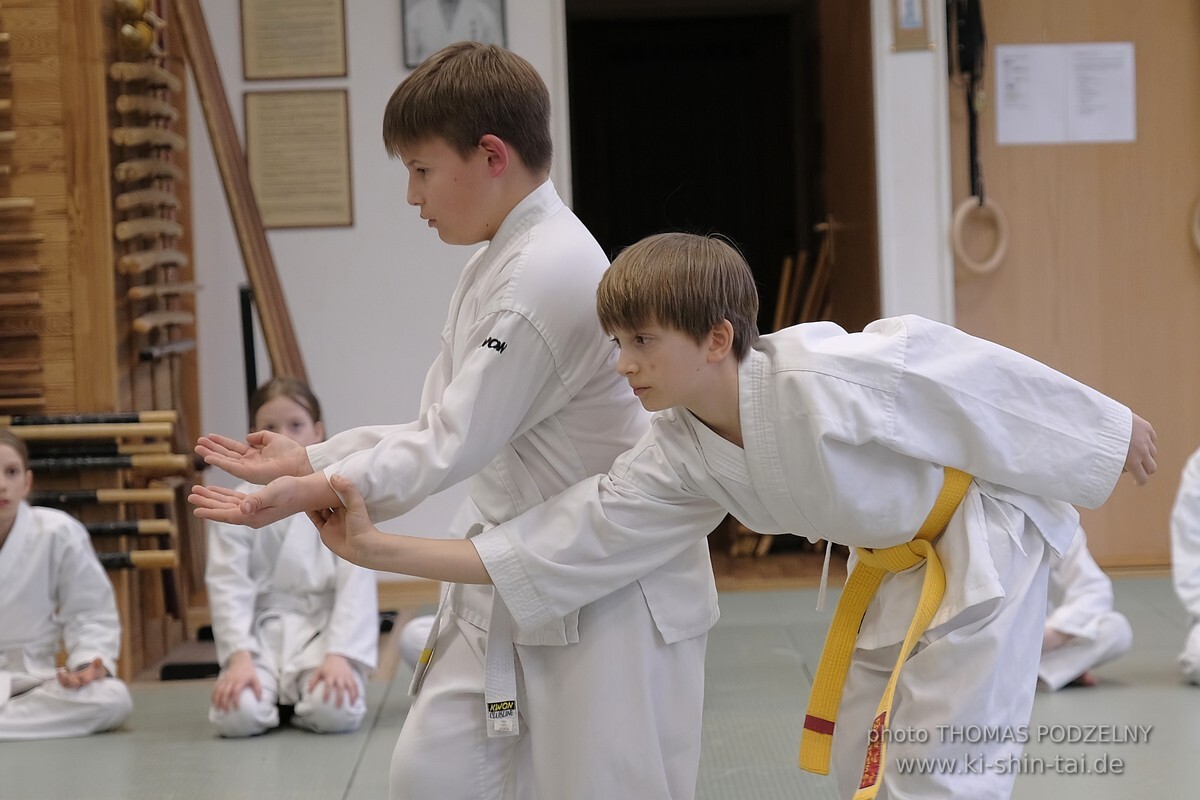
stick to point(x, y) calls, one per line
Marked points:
point(83, 329)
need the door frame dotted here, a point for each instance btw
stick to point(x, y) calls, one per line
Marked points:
point(912, 142)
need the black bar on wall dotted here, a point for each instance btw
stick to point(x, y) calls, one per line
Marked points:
point(246, 301)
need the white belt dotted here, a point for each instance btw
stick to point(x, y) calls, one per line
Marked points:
point(297, 603)
point(500, 669)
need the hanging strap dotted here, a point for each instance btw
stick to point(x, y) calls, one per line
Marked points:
point(970, 49)
point(816, 741)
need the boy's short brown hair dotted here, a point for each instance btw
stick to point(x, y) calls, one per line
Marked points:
point(9, 438)
point(682, 281)
point(465, 91)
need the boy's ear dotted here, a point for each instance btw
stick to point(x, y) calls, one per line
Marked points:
point(28, 484)
point(720, 341)
point(320, 430)
point(497, 153)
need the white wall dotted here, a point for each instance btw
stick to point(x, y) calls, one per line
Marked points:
point(368, 301)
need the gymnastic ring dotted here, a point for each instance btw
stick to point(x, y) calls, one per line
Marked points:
point(956, 235)
point(1196, 226)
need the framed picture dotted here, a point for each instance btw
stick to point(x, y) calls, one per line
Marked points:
point(910, 25)
point(298, 157)
point(430, 25)
point(293, 39)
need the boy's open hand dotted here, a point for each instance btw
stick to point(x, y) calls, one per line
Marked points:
point(347, 531)
point(279, 499)
point(1140, 461)
point(262, 458)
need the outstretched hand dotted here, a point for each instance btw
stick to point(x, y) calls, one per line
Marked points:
point(348, 530)
point(1139, 462)
point(279, 499)
point(262, 458)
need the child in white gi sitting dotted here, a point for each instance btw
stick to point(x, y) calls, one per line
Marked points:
point(913, 442)
point(53, 592)
point(1082, 630)
point(1185, 562)
point(294, 624)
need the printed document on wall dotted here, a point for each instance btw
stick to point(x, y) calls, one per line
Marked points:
point(1059, 93)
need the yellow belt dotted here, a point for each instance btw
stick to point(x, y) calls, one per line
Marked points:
point(817, 738)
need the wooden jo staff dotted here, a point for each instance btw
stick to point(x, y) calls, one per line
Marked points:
point(96, 447)
point(77, 497)
point(96, 431)
point(157, 462)
point(100, 417)
point(128, 527)
point(140, 559)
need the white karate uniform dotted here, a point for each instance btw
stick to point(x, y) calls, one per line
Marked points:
point(1185, 561)
point(1081, 606)
point(280, 594)
point(524, 400)
point(54, 592)
point(844, 438)
point(427, 28)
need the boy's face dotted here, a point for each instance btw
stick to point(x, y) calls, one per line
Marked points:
point(15, 483)
point(664, 366)
point(452, 192)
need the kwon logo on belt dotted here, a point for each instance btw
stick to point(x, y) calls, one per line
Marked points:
point(494, 344)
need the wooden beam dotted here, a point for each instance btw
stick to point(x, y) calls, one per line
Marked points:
point(277, 328)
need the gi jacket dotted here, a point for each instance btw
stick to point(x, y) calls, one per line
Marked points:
point(523, 400)
point(53, 589)
point(283, 571)
point(845, 438)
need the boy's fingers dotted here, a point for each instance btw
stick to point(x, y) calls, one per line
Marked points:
point(232, 517)
point(224, 444)
point(204, 501)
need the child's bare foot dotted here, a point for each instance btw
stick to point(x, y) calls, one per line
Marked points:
point(1086, 679)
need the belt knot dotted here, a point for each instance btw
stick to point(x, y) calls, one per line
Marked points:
point(873, 565)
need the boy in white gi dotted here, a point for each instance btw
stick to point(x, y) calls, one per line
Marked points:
point(1185, 561)
point(294, 624)
point(53, 593)
point(834, 436)
point(1082, 629)
point(522, 401)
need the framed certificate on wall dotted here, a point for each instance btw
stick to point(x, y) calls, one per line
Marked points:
point(298, 157)
point(293, 39)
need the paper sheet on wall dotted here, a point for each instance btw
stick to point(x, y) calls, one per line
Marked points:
point(1047, 94)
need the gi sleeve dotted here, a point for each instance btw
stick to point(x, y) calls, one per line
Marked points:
point(1185, 537)
point(507, 383)
point(340, 445)
point(87, 610)
point(596, 537)
point(232, 590)
point(354, 624)
point(972, 404)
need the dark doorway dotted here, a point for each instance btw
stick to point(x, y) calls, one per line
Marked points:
point(701, 123)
